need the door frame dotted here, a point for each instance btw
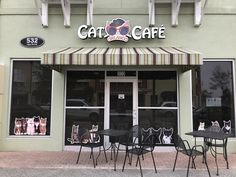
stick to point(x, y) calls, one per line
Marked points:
point(109, 80)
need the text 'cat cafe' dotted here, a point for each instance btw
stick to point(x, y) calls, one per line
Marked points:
point(120, 30)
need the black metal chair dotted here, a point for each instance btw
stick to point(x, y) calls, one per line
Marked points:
point(90, 140)
point(183, 146)
point(129, 140)
point(145, 145)
point(211, 144)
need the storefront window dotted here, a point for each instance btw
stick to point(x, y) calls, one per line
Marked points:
point(84, 101)
point(158, 102)
point(30, 99)
point(213, 95)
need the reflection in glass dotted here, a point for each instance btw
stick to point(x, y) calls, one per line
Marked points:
point(121, 105)
point(85, 88)
point(156, 88)
point(158, 118)
point(84, 118)
point(164, 120)
point(85, 92)
point(213, 96)
point(31, 98)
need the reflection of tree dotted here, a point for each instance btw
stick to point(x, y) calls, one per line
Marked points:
point(221, 80)
point(41, 80)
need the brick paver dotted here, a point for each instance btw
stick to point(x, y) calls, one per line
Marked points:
point(67, 159)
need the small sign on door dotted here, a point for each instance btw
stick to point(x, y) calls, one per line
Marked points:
point(121, 96)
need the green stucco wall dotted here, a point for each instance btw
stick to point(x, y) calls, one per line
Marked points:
point(18, 19)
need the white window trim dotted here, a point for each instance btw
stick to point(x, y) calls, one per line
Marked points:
point(9, 102)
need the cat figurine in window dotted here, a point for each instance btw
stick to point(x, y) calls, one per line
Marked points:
point(74, 134)
point(215, 126)
point(36, 124)
point(95, 138)
point(146, 133)
point(167, 135)
point(227, 127)
point(24, 125)
point(215, 123)
point(157, 134)
point(18, 126)
point(201, 126)
point(42, 126)
point(30, 126)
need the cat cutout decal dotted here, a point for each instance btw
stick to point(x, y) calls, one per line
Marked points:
point(30, 126)
point(227, 127)
point(94, 137)
point(157, 134)
point(167, 136)
point(74, 134)
point(201, 126)
point(18, 126)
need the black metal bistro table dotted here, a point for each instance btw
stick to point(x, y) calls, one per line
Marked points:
point(220, 135)
point(114, 134)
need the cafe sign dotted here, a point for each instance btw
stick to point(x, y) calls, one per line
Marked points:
point(120, 30)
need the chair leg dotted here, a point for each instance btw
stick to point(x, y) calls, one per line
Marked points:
point(206, 165)
point(140, 167)
point(142, 157)
point(176, 156)
point(225, 154)
point(104, 150)
point(93, 158)
point(98, 155)
point(126, 154)
point(193, 163)
point(136, 162)
point(129, 159)
point(79, 155)
point(154, 163)
point(189, 159)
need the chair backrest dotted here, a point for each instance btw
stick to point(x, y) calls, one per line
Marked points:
point(88, 136)
point(148, 141)
point(179, 143)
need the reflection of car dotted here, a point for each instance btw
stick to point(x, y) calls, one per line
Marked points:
point(46, 106)
point(81, 113)
point(168, 112)
point(200, 113)
point(27, 110)
point(76, 102)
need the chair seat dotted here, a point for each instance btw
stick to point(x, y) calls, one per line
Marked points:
point(138, 151)
point(190, 152)
point(92, 145)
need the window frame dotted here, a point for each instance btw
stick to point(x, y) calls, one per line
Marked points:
point(232, 60)
point(10, 99)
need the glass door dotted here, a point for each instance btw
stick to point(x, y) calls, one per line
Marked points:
point(121, 104)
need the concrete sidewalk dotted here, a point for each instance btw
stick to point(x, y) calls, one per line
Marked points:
point(63, 164)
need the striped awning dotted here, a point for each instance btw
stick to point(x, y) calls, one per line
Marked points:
point(122, 56)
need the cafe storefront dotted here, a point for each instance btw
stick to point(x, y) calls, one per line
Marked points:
point(114, 70)
point(134, 86)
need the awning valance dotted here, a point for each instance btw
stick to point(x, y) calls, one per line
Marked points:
point(122, 56)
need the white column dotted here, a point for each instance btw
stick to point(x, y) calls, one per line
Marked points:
point(185, 102)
